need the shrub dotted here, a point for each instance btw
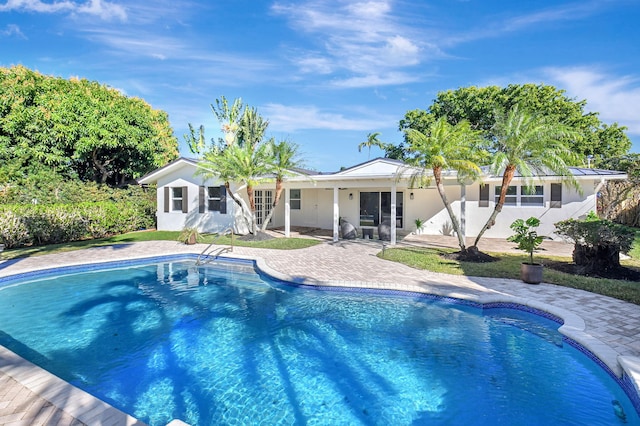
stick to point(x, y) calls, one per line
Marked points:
point(31, 224)
point(13, 231)
point(598, 243)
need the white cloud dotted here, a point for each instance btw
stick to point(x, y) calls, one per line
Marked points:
point(375, 80)
point(615, 98)
point(364, 39)
point(102, 9)
point(283, 118)
point(497, 26)
point(12, 30)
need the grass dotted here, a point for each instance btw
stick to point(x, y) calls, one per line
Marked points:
point(133, 237)
point(509, 267)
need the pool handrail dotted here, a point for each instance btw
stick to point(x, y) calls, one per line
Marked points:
point(204, 255)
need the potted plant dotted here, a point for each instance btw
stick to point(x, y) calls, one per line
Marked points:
point(419, 224)
point(189, 235)
point(528, 240)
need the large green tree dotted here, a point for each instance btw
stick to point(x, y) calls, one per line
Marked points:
point(78, 128)
point(440, 147)
point(481, 105)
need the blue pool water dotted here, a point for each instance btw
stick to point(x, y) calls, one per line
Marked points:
point(219, 344)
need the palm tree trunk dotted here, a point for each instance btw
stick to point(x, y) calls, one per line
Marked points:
point(238, 202)
point(437, 174)
point(276, 200)
point(509, 171)
point(252, 207)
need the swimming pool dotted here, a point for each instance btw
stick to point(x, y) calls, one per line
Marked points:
point(220, 344)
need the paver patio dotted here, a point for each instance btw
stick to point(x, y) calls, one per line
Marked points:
point(609, 327)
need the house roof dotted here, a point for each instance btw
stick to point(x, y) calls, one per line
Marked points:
point(577, 172)
point(379, 168)
point(177, 164)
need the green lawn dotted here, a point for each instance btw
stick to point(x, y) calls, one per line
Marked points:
point(132, 237)
point(509, 267)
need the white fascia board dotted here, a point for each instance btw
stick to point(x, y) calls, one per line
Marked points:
point(157, 174)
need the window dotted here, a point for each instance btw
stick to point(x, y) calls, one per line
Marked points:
point(556, 196)
point(375, 207)
point(512, 195)
point(533, 196)
point(522, 196)
point(295, 199)
point(483, 200)
point(176, 199)
point(213, 198)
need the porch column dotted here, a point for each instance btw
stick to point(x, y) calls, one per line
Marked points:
point(393, 214)
point(463, 211)
point(336, 214)
point(287, 213)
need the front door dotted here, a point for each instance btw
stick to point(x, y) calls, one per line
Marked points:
point(264, 201)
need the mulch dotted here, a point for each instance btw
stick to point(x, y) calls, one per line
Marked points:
point(620, 273)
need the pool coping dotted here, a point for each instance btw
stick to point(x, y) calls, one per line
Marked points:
point(91, 410)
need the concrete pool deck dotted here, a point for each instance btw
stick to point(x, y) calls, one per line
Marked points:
point(608, 327)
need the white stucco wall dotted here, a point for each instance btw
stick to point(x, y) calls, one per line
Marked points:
point(177, 220)
point(574, 205)
point(317, 202)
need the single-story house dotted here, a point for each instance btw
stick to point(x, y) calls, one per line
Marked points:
point(368, 194)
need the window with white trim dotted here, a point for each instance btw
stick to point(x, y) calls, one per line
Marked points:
point(295, 199)
point(177, 198)
point(511, 198)
point(522, 196)
point(532, 196)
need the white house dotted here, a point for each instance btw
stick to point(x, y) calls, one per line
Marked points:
point(366, 195)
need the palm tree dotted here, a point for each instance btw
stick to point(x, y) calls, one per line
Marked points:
point(244, 164)
point(285, 158)
point(445, 147)
point(527, 143)
point(242, 157)
point(372, 140)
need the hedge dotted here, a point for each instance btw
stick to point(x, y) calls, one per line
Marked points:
point(41, 224)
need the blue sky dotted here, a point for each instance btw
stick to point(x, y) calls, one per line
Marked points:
point(326, 73)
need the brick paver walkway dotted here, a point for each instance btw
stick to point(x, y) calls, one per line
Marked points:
point(608, 327)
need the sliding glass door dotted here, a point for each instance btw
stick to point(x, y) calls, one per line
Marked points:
point(375, 207)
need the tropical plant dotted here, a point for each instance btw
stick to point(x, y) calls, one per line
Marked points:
point(372, 140)
point(526, 235)
point(442, 146)
point(528, 144)
point(419, 224)
point(285, 157)
point(189, 235)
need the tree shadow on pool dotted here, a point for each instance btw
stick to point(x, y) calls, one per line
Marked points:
point(220, 350)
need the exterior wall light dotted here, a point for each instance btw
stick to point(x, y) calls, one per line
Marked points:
point(411, 196)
